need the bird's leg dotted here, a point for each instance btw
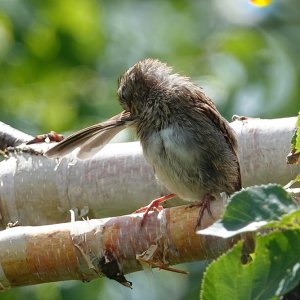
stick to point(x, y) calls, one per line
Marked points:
point(155, 204)
point(204, 205)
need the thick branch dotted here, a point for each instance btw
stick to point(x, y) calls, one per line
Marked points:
point(85, 250)
point(36, 190)
point(10, 137)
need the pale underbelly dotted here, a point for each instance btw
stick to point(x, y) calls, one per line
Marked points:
point(182, 164)
point(178, 185)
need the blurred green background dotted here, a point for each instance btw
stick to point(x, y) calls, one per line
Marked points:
point(60, 60)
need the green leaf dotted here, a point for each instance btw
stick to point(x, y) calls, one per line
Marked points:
point(273, 271)
point(297, 145)
point(294, 154)
point(290, 221)
point(251, 209)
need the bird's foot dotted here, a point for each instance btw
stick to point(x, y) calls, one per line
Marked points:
point(204, 205)
point(154, 205)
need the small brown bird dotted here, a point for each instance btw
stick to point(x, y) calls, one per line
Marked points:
point(190, 146)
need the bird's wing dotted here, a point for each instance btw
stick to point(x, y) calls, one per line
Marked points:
point(93, 138)
point(97, 142)
point(207, 107)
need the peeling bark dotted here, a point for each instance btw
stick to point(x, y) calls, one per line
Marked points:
point(85, 250)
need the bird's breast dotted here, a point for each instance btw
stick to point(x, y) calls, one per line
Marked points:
point(176, 159)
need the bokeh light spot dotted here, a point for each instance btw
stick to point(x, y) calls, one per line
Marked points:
point(261, 2)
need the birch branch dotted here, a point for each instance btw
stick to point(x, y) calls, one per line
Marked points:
point(110, 247)
point(35, 190)
point(11, 137)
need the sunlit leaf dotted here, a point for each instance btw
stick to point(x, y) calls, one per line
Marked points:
point(293, 156)
point(297, 145)
point(273, 271)
point(251, 209)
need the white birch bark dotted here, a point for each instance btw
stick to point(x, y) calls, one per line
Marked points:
point(35, 190)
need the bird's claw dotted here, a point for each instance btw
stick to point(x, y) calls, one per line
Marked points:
point(154, 205)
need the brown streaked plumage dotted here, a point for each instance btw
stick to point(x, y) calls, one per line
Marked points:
point(190, 145)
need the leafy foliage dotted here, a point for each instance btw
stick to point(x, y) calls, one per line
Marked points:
point(60, 60)
point(293, 156)
point(252, 208)
point(297, 143)
point(273, 268)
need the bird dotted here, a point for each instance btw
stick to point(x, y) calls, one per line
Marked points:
point(190, 146)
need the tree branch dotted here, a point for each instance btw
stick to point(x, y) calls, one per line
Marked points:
point(117, 180)
point(10, 137)
point(109, 247)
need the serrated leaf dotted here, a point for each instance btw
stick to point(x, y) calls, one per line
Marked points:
point(251, 209)
point(274, 270)
point(290, 221)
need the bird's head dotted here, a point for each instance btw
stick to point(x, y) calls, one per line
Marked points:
point(146, 85)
